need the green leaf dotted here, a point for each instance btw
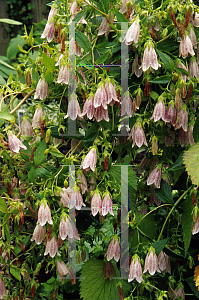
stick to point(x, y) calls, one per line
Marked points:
point(191, 161)
point(179, 162)
point(158, 246)
point(42, 173)
point(103, 58)
point(94, 286)
point(83, 41)
point(11, 22)
point(49, 77)
point(39, 157)
point(183, 71)
point(2, 81)
point(196, 131)
point(6, 65)
point(187, 222)
point(13, 48)
point(161, 80)
point(15, 272)
point(147, 226)
point(55, 152)
point(31, 174)
point(48, 62)
point(191, 283)
point(154, 95)
point(120, 17)
point(6, 227)
point(28, 151)
point(3, 206)
point(7, 116)
point(166, 59)
point(164, 193)
point(17, 249)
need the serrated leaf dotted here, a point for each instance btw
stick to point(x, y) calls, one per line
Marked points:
point(191, 283)
point(102, 58)
point(164, 193)
point(187, 222)
point(48, 62)
point(83, 41)
point(191, 161)
point(10, 21)
point(166, 59)
point(15, 272)
point(3, 206)
point(196, 131)
point(158, 246)
point(7, 116)
point(94, 286)
point(42, 173)
point(31, 174)
point(39, 157)
point(161, 80)
point(120, 17)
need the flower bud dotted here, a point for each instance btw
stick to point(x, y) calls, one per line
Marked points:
point(154, 145)
point(48, 133)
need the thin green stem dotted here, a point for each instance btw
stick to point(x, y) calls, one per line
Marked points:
point(176, 203)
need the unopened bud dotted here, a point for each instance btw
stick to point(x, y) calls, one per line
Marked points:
point(164, 33)
point(195, 213)
point(66, 183)
point(48, 133)
point(154, 145)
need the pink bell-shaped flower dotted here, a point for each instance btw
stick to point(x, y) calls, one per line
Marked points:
point(2, 288)
point(183, 138)
point(90, 160)
point(171, 114)
point(101, 97)
point(178, 292)
point(65, 228)
point(113, 250)
point(82, 184)
point(101, 113)
point(63, 76)
point(74, 48)
point(50, 28)
point(38, 234)
point(65, 193)
point(135, 271)
point(26, 128)
point(150, 58)
point(51, 247)
point(73, 108)
point(133, 32)
point(159, 110)
point(44, 214)
point(164, 263)
point(195, 229)
point(123, 8)
point(41, 89)
point(182, 120)
point(182, 66)
point(78, 199)
point(193, 68)
point(37, 118)
point(105, 27)
point(14, 143)
point(111, 92)
point(127, 106)
point(89, 108)
point(151, 262)
point(186, 47)
point(96, 203)
point(178, 99)
point(155, 177)
point(190, 133)
point(107, 205)
point(83, 76)
point(137, 135)
point(137, 67)
point(62, 269)
point(193, 38)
